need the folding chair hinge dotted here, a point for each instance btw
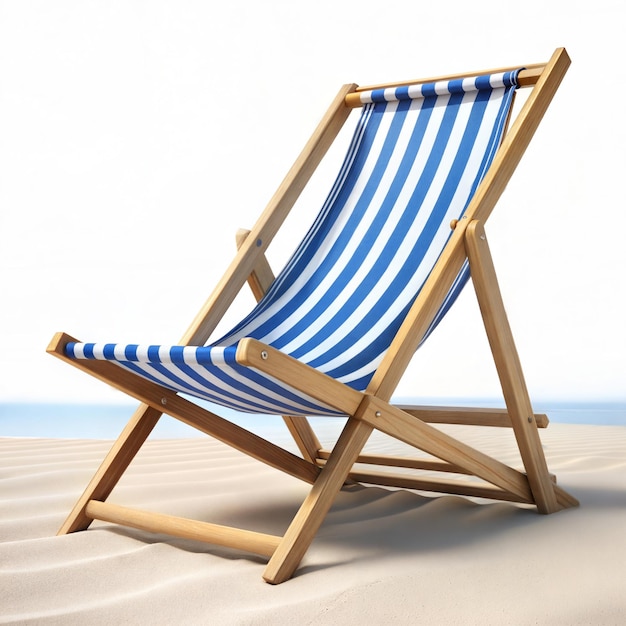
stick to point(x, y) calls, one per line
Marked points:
point(370, 409)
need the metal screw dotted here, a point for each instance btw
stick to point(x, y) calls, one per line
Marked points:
point(264, 355)
point(378, 414)
point(163, 401)
point(530, 420)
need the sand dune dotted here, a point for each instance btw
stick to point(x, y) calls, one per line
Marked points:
point(381, 557)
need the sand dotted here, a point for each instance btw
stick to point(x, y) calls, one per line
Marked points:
point(381, 557)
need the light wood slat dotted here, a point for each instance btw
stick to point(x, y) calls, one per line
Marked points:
point(408, 463)
point(250, 541)
point(304, 436)
point(469, 416)
point(431, 465)
point(190, 413)
point(509, 367)
point(285, 368)
point(262, 276)
point(457, 487)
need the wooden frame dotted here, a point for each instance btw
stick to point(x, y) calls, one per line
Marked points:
point(329, 470)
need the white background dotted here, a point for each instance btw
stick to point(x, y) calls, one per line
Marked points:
point(136, 137)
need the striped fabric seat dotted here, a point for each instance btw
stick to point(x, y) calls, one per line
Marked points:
point(416, 158)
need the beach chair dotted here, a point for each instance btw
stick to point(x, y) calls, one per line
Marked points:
point(400, 233)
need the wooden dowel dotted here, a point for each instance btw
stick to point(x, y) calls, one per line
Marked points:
point(526, 78)
point(472, 416)
point(398, 461)
point(461, 488)
point(258, 543)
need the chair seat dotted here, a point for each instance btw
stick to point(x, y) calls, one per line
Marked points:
point(207, 373)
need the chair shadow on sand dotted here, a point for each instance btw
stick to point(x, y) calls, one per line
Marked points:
point(367, 522)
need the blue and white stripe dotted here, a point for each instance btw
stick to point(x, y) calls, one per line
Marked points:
point(441, 88)
point(415, 160)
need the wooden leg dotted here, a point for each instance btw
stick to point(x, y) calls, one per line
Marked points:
point(114, 465)
point(309, 518)
point(510, 370)
point(304, 436)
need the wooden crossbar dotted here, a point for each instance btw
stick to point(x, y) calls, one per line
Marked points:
point(469, 416)
point(250, 541)
point(526, 78)
point(429, 465)
point(457, 487)
point(529, 75)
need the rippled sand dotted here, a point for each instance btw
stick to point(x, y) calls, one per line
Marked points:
point(381, 556)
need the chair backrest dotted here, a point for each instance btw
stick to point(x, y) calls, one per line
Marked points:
point(416, 158)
